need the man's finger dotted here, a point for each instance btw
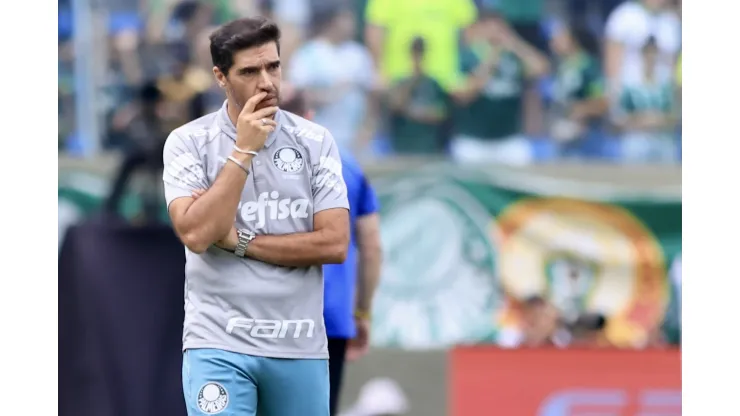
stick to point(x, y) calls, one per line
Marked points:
point(253, 101)
point(265, 128)
point(266, 112)
point(268, 123)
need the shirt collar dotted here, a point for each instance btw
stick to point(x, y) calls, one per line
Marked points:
point(229, 129)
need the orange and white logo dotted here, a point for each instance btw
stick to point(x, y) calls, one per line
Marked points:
point(582, 257)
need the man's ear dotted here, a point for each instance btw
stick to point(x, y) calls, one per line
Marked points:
point(220, 77)
point(310, 114)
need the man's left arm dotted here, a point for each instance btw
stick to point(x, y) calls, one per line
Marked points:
point(329, 240)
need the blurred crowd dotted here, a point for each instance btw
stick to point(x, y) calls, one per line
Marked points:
point(505, 81)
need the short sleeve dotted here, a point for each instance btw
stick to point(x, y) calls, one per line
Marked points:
point(379, 12)
point(327, 184)
point(183, 170)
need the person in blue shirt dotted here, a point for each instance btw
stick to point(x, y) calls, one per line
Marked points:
point(349, 287)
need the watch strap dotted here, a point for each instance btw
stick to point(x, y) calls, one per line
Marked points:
point(243, 240)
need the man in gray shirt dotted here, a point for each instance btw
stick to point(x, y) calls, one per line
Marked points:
point(275, 209)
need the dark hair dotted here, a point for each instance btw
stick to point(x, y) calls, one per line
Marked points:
point(238, 35)
point(418, 45)
point(296, 104)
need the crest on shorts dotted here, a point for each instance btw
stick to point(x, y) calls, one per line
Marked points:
point(288, 159)
point(212, 398)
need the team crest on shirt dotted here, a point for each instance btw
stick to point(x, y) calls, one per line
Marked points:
point(288, 159)
point(212, 398)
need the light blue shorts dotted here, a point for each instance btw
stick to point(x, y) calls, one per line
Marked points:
point(218, 382)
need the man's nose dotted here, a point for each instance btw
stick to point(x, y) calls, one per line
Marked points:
point(265, 81)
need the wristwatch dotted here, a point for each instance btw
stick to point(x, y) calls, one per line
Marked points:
point(244, 238)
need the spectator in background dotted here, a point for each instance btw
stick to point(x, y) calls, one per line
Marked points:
point(627, 30)
point(169, 20)
point(418, 108)
point(587, 331)
point(592, 14)
point(188, 20)
point(525, 18)
point(212, 98)
point(488, 116)
point(142, 121)
point(183, 89)
point(146, 132)
point(294, 19)
point(541, 321)
point(578, 92)
point(125, 71)
point(393, 24)
point(646, 113)
point(336, 74)
point(537, 325)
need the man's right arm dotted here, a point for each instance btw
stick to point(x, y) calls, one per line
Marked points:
point(199, 223)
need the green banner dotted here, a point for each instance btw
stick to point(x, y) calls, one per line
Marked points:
point(464, 248)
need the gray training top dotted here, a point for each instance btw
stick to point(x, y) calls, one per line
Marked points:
point(244, 305)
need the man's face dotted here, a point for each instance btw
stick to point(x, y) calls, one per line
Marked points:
point(255, 70)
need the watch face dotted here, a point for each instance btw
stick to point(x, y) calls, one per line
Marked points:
point(245, 236)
